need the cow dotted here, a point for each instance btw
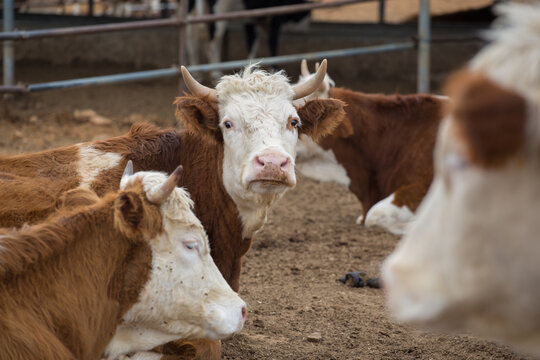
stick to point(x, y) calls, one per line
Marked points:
point(470, 261)
point(238, 149)
point(382, 151)
point(134, 257)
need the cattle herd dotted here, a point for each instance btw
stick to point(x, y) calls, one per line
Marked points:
point(131, 247)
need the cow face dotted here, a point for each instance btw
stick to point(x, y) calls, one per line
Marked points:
point(186, 296)
point(253, 116)
point(470, 260)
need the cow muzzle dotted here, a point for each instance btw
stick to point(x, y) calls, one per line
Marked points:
point(273, 173)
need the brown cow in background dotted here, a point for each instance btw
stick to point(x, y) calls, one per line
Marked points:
point(383, 151)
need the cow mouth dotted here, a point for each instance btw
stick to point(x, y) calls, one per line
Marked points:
point(265, 186)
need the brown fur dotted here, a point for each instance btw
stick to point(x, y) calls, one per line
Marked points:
point(312, 111)
point(200, 151)
point(65, 283)
point(386, 145)
point(491, 120)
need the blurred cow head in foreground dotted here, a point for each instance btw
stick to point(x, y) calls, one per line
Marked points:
point(471, 261)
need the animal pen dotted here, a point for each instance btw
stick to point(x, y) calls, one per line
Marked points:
point(180, 21)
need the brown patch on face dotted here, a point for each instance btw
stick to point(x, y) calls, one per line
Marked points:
point(490, 119)
point(200, 116)
point(321, 117)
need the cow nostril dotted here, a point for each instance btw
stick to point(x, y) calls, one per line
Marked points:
point(285, 163)
point(259, 161)
point(244, 314)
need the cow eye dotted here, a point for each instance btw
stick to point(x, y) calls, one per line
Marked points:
point(228, 124)
point(455, 162)
point(191, 245)
point(294, 122)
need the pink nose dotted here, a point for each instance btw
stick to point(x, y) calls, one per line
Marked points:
point(282, 161)
point(244, 314)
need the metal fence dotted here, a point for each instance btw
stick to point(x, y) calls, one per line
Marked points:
point(180, 21)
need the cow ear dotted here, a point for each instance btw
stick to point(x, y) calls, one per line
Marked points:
point(345, 129)
point(128, 212)
point(200, 116)
point(490, 119)
point(320, 117)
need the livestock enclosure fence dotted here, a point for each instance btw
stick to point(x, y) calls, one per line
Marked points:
point(181, 20)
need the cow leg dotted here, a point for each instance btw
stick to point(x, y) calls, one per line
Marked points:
point(273, 38)
point(217, 37)
point(390, 215)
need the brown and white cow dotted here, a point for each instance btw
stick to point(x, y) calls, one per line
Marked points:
point(382, 151)
point(136, 257)
point(470, 262)
point(238, 150)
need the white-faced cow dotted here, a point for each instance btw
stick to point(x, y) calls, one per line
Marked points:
point(382, 151)
point(238, 150)
point(136, 256)
point(470, 262)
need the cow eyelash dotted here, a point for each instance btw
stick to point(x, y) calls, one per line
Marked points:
point(191, 245)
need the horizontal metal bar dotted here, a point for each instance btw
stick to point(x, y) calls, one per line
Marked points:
point(145, 24)
point(89, 29)
point(13, 89)
point(174, 71)
point(285, 59)
point(105, 79)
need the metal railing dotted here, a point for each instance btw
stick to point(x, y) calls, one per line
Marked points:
point(180, 21)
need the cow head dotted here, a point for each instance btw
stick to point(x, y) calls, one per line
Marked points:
point(252, 115)
point(186, 296)
point(470, 260)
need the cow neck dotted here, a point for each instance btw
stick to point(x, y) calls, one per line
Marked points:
point(118, 273)
point(216, 210)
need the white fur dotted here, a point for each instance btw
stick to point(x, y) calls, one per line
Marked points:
point(470, 261)
point(259, 106)
point(186, 296)
point(389, 216)
point(92, 162)
point(318, 164)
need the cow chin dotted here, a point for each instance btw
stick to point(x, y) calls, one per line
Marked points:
point(270, 186)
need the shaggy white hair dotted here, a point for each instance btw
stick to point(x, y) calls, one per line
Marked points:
point(252, 80)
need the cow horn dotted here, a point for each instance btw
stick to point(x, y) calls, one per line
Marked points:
point(308, 87)
point(159, 196)
point(304, 70)
point(128, 171)
point(197, 88)
point(317, 66)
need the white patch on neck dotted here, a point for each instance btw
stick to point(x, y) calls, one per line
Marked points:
point(92, 162)
point(390, 217)
point(131, 339)
point(318, 164)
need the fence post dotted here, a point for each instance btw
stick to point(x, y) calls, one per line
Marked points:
point(9, 53)
point(182, 14)
point(381, 11)
point(424, 37)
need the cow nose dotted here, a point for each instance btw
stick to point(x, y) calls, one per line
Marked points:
point(244, 315)
point(283, 161)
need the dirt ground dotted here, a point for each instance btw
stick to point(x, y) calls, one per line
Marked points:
point(297, 309)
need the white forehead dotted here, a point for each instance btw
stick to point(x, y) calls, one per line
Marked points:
point(513, 57)
point(178, 207)
point(255, 94)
